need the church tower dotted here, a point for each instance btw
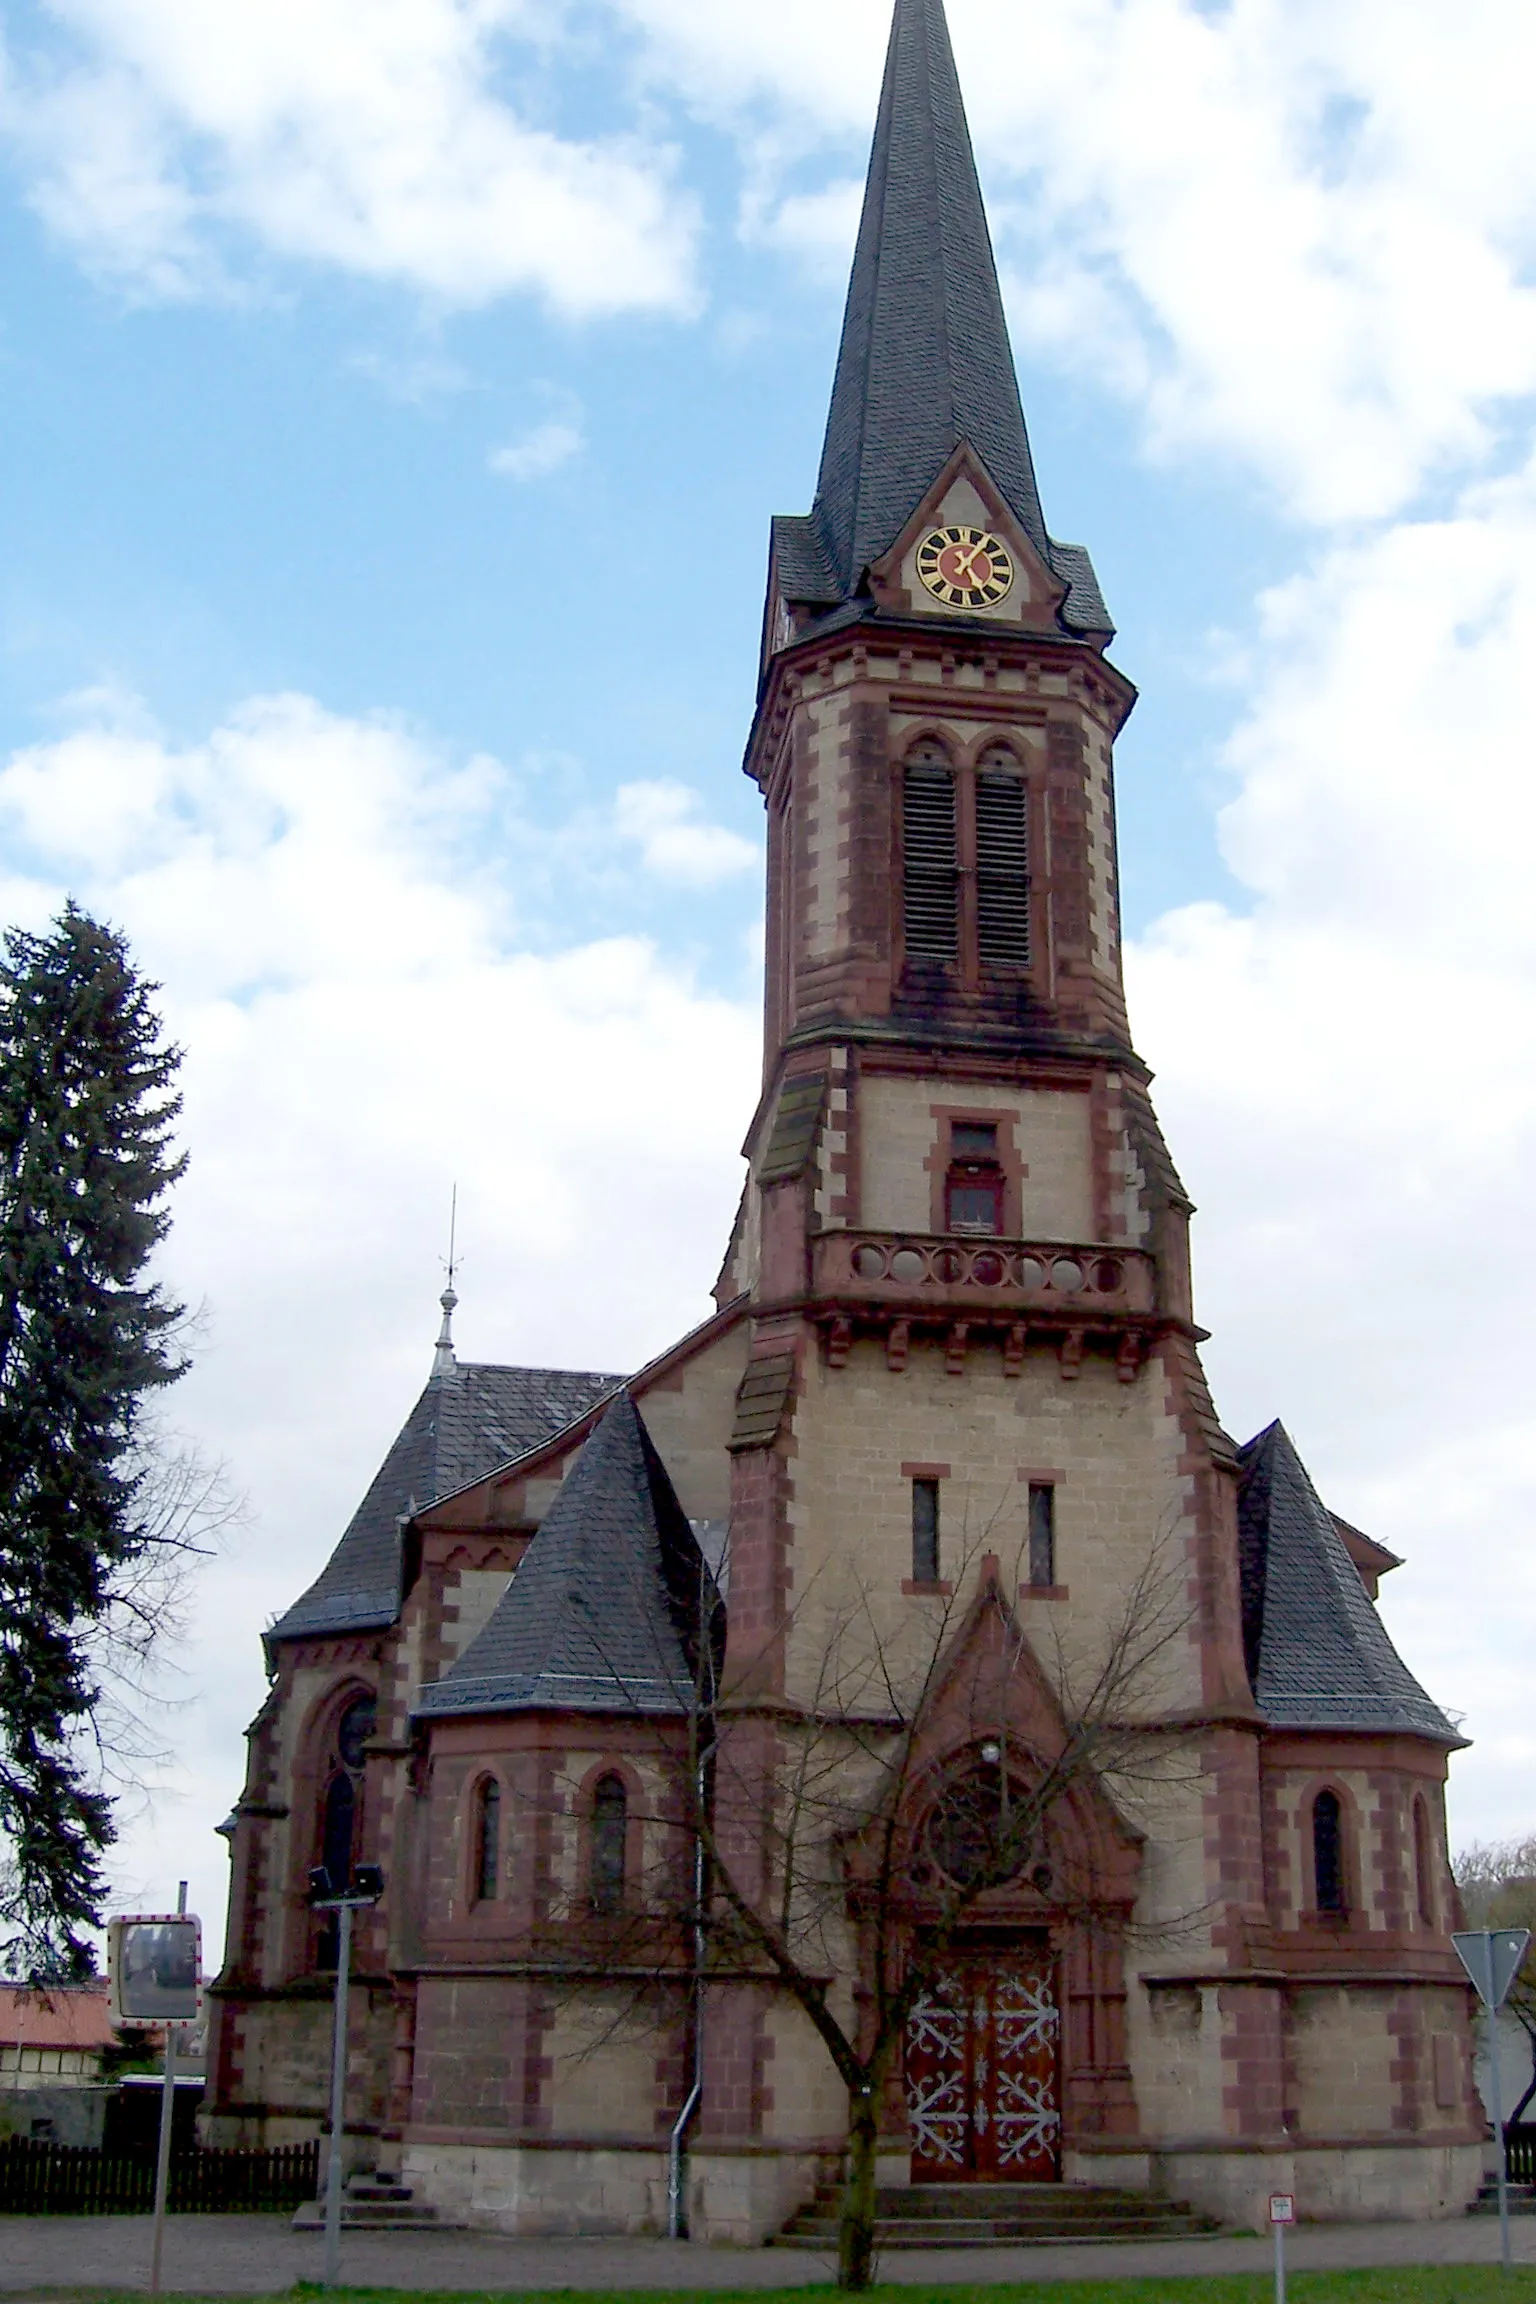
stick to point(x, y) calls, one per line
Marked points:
point(940, 1475)
point(956, 1172)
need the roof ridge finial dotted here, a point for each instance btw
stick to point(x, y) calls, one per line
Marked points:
point(445, 1360)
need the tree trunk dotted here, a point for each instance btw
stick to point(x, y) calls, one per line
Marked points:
point(856, 2237)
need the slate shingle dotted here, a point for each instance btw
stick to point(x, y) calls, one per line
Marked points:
point(469, 1420)
point(925, 361)
point(1318, 1653)
point(612, 1608)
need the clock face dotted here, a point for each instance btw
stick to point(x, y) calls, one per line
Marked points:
point(965, 567)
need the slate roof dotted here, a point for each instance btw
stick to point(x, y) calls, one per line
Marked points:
point(1318, 1653)
point(925, 360)
point(611, 1604)
point(469, 1420)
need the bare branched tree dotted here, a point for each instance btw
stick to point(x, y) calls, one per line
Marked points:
point(829, 1831)
point(1497, 1882)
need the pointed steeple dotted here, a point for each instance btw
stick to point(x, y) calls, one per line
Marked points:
point(925, 360)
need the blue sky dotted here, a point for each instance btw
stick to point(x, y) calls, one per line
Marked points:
point(392, 406)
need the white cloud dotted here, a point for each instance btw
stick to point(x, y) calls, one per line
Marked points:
point(1298, 231)
point(161, 137)
point(332, 909)
point(543, 449)
point(661, 819)
point(1348, 1077)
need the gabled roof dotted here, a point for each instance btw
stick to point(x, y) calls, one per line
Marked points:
point(611, 1605)
point(56, 2016)
point(925, 361)
point(1318, 1653)
point(469, 1420)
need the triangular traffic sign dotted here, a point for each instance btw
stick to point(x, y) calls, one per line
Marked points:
point(1491, 1958)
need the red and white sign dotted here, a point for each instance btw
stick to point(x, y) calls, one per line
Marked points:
point(154, 1970)
point(1282, 2208)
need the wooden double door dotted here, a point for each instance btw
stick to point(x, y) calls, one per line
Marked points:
point(983, 2073)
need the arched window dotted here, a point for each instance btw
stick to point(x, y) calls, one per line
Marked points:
point(488, 1842)
point(341, 1800)
point(1423, 1864)
point(930, 858)
point(1328, 1852)
point(610, 1838)
point(1002, 861)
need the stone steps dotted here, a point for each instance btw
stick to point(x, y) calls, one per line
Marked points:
point(1522, 2199)
point(372, 2204)
point(999, 2216)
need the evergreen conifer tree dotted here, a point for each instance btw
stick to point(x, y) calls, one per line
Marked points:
point(87, 1107)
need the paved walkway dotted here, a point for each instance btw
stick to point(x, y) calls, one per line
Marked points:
point(252, 2255)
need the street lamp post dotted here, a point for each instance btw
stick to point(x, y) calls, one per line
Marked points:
point(363, 1891)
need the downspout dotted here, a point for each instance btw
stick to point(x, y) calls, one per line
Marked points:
point(707, 1685)
point(677, 2206)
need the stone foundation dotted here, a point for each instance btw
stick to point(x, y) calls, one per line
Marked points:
point(587, 2192)
point(1332, 2184)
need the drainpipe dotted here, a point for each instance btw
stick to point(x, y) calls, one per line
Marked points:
point(677, 2206)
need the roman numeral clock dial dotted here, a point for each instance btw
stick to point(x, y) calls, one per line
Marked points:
point(965, 567)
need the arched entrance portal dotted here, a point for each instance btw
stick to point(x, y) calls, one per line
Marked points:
point(1015, 2046)
point(983, 2070)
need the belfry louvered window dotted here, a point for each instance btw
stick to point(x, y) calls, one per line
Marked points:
point(1002, 863)
point(930, 859)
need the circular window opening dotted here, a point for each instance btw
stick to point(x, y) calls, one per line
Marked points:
point(976, 1836)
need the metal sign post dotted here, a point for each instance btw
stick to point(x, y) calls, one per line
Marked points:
point(154, 1968)
point(333, 2169)
point(366, 1888)
point(1282, 2211)
point(1492, 1958)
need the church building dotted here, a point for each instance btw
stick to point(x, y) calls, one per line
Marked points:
point(941, 1477)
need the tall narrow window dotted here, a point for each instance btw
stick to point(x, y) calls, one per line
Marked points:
point(930, 859)
point(488, 1842)
point(1002, 863)
point(1042, 1535)
point(610, 1838)
point(1328, 1852)
point(337, 1830)
point(925, 1531)
point(973, 1187)
point(1423, 1864)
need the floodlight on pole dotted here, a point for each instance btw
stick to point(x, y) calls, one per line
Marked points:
point(364, 1891)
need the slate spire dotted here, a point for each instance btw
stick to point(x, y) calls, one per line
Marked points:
point(925, 360)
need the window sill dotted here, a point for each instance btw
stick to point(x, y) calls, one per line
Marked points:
point(916, 1591)
point(1045, 1591)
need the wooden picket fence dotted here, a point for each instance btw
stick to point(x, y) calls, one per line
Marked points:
point(1520, 2151)
point(41, 2179)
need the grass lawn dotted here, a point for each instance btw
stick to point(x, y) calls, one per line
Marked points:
point(1403, 2284)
